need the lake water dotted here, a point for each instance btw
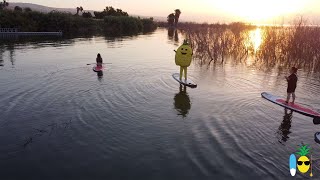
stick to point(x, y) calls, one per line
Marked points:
point(59, 120)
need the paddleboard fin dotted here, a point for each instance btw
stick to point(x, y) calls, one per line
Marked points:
point(316, 120)
point(316, 137)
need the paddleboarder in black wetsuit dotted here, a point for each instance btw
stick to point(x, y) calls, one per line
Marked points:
point(292, 84)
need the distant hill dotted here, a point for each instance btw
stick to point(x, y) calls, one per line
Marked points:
point(45, 9)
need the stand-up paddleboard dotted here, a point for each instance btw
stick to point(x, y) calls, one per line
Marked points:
point(294, 107)
point(97, 68)
point(189, 82)
point(293, 164)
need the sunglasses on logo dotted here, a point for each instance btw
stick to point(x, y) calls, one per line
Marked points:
point(305, 162)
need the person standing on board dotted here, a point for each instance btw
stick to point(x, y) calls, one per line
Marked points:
point(99, 60)
point(183, 58)
point(292, 84)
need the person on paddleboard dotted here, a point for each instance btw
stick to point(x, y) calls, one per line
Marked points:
point(183, 58)
point(292, 84)
point(99, 60)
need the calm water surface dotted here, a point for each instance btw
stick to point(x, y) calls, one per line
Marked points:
point(59, 120)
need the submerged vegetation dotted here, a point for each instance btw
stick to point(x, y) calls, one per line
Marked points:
point(266, 46)
point(110, 24)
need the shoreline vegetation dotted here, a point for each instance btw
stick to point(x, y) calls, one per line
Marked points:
point(110, 22)
point(265, 47)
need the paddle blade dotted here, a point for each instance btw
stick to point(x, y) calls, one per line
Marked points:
point(316, 120)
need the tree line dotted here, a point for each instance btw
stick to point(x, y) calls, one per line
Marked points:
point(110, 22)
point(108, 11)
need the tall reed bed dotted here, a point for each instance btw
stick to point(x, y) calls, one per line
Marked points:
point(297, 45)
point(269, 46)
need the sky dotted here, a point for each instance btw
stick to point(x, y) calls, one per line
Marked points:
point(254, 11)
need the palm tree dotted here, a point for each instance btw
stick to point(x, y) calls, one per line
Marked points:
point(170, 19)
point(79, 9)
point(4, 4)
point(176, 16)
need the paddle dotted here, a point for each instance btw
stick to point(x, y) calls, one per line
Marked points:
point(96, 63)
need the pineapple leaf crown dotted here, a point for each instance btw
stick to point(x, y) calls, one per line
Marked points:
point(185, 42)
point(303, 150)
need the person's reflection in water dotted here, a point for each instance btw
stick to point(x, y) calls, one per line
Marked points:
point(176, 36)
point(100, 75)
point(284, 128)
point(1, 55)
point(170, 33)
point(182, 102)
point(11, 49)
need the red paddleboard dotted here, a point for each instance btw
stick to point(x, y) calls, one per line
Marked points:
point(294, 107)
point(97, 68)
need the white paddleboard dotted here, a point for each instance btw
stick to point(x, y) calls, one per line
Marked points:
point(189, 82)
point(293, 164)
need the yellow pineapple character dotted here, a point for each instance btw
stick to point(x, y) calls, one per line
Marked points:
point(303, 162)
point(183, 58)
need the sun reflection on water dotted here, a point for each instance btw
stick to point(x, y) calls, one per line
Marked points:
point(255, 38)
point(253, 44)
